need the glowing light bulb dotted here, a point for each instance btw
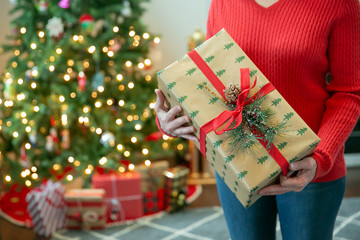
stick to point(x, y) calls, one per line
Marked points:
point(91, 49)
point(61, 98)
point(118, 121)
point(101, 89)
point(98, 131)
point(132, 33)
point(126, 153)
point(131, 85)
point(36, 108)
point(20, 81)
point(86, 109)
point(165, 137)
point(7, 178)
point(115, 29)
point(105, 49)
point(156, 40)
point(145, 151)
point(152, 105)
point(119, 77)
point(34, 176)
point(121, 169)
point(133, 139)
point(28, 183)
point(147, 163)
point(41, 34)
point(121, 103)
point(23, 30)
point(67, 77)
point(51, 68)
point(87, 171)
point(76, 38)
point(180, 147)
point(69, 178)
point(138, 127)
point(33, 85)
point(33, 46)
point(28, 129)
point(128, 63)
point(147, 62)
point(131, 167)
point(59, 51)
point(71, 159)
point(103, 160)
point(120, 147)
point(28, 146)
point(98, 104)
point(110, 53)
point(146, 36)
point(109, 102)
point(15, 134)
point(141, 65)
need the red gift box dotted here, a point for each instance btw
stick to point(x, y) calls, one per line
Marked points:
point(123, 195)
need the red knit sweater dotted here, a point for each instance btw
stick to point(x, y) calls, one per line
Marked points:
point(295, 44)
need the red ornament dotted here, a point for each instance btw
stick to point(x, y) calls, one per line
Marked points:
point(86, 18)
point(155, 136)
point(82, 81)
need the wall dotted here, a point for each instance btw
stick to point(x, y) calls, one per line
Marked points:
point(173, 20)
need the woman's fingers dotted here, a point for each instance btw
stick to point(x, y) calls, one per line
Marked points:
point(172, 113)
point(160, 101)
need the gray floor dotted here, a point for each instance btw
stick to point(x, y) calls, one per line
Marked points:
point(202, 224)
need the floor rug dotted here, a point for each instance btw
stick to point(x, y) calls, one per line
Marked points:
point(202, 224)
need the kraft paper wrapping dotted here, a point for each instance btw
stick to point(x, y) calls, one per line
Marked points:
point(245, 171)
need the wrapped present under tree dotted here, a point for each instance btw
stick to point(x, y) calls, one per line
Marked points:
point(175, 188)
point(123, 195)
point(86, 208)
point(247, 130)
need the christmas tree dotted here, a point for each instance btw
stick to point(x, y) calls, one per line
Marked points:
point(78, 91)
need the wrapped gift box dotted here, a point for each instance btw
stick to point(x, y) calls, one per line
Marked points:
point(123, 195)
point(47, 208)
point(152, 177)
point(153, 201)
point(86, 208)
point(197, 83)
point(175, 188)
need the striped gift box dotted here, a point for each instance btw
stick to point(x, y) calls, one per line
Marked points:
point(86, 208)
point(47, 208)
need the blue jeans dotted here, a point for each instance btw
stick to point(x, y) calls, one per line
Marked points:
point(306, 215)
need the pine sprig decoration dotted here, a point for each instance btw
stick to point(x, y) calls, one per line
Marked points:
point(259, 120)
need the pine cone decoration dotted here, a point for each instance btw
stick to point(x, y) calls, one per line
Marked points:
point(232, 92)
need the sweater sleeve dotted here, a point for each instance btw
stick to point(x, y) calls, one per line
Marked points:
point(343, 105)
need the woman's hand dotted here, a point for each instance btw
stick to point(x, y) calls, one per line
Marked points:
point(171, 124)
point(306, 172)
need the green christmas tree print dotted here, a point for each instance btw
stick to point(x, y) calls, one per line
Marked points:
point(236, 183)
point(182, 99)
point(220, 72)
point(252, 73)
point(225, 167)
point(288, 116)
point(190, 71)
point(273, 174)
point(276, 102)
point(242, 174)
point(229, 158)
point(235, 189)
point(209, 59)
point(254, 189)
point(217, 143)
point(160, 72)
point(224, 173)
point(169, 96)
point(194, 113)
point(214, 153)
point(313, 145)
point(293, 159)
point(212, 164)
point(262, 160)
point(228, 46)
point(200, 85)
point(171, 85)
point(301, 131)
point(282, 145)
point(213, 100)
point(239, 59)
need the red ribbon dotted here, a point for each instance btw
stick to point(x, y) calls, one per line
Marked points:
point(231, 116)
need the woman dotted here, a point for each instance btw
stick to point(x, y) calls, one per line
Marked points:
point(295, 44)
